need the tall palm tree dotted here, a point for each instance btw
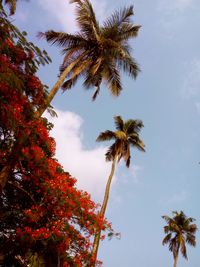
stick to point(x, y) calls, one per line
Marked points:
point(97, 52)
point(179, 230)
point(125, 137)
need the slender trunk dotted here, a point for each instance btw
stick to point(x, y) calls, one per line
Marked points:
point(175, 260)
point(102, 213)
point(57, 85)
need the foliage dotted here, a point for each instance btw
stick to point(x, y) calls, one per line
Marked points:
point(44, 217)
point(97, 52)
point(125, 136)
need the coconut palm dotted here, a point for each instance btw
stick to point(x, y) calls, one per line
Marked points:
point(179, 230)
point(97, 52)
point(125, 137)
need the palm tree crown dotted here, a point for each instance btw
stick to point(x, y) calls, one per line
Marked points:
point(179, 231)
point(127, 135)
point(97, 53)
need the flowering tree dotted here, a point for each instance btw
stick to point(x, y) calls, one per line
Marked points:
point(45, 219)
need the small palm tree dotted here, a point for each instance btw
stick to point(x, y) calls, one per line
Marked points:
point(97, 53)
point(125, 136)
point(179, 231)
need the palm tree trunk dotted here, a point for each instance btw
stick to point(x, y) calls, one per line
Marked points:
point(102, 212)
point(58, 84)
point(175, 260)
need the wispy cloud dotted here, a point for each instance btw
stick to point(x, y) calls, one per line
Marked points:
point(64, 13)
point(87, 165)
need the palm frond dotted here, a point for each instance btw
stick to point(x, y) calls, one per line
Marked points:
point(62, 39)
point(192, 228)
point(96, 66)
point(129, 65)
point(111, 153)
point(106, 136)
point(127, 155)
point(69, 83)
point(112, 77)
point(118, 17)
point(183, 247)
point(133, 126)
point(127, 31)
point(190, 239)
point(119, 123)
point(167, 239)
point(166, 229)
point(96, 93)
point(166, 218)
point(91, 81)
point(86, 19)
point(138, 143)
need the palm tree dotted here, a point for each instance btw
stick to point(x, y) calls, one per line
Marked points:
point(97, 53)
point(179, 231)
point(125, 136)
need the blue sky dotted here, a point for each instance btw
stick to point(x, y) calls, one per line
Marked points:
point(165, 96)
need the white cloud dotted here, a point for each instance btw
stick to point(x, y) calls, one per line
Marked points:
point(191, 84)
point(63, 12)
point(87, 165)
